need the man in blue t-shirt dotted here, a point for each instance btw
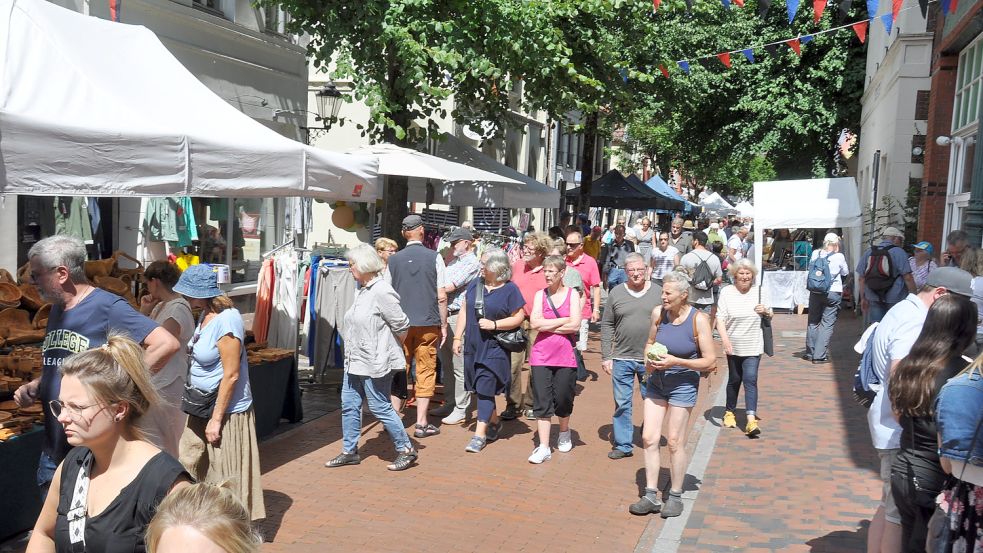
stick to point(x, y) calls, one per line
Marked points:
point(82, 316)
point(876, 304)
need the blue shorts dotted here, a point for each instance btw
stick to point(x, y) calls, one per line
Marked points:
point(677, 388)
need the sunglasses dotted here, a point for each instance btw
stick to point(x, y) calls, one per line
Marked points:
point(573, 244)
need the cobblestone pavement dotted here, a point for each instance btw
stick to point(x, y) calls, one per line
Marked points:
point(810, 482)
point(456, 501)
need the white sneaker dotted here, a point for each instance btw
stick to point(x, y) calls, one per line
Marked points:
point(563, 442)
point(540, 454)
point(455, 417)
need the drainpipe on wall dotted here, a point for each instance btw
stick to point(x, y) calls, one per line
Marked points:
point(873, 198)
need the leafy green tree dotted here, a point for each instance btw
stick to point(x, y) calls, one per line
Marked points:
point(778, 117)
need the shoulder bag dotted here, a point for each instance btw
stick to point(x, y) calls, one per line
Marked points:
point(512, 341)
point(766, 333)
point(195, 401)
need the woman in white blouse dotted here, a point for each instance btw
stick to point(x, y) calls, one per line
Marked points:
point(375, 327)
point(824, 308)
point(739, 313)
point(166, 421)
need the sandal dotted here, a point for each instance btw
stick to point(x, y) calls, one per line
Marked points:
point(403, 460)
point(344, 459)
point(425, 431)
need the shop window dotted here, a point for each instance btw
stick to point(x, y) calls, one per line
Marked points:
point(969, 151)
point(275, 19)
point(236, 232)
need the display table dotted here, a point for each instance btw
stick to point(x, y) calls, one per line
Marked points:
point(276, 394)
point(787, 289)
point(20, 502)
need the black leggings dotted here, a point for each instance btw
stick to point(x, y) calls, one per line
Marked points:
point(553, 390)
point(915, 505)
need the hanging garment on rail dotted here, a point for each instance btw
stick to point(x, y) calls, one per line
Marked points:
point(335, 294)
point(264, 302)
point(283, 321)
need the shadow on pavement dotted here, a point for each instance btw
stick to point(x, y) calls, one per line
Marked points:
point(276, 505)
point(840, 540)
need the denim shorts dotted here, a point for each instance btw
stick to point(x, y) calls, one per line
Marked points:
point(677, 388)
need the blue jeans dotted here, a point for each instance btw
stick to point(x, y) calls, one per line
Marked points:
point(876, 309)
point(616, 276)
point(375, 391)
point(743, 370)
point(623, 377)
point(46, 473)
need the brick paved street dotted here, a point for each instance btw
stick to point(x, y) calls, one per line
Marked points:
point(807, 485)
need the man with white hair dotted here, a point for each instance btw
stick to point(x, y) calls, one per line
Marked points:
point(885, 275)
point(735, 245)
point(462, 269)
point(82, 317)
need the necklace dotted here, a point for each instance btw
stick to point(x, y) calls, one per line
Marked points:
point(82, 296)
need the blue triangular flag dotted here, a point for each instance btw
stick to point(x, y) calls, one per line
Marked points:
point(945, 7)
point(684, 65)
point(793, 6)
point(871, 8)
point(726, 3)
point(887, 19)
point(749, 54)
point(624, 74)
point(805, 38)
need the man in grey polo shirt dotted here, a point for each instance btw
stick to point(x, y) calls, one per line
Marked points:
point(625, 324)
point(891, 342)
point(462, 269)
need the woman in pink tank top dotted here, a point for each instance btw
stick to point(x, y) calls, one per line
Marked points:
point(555, 317)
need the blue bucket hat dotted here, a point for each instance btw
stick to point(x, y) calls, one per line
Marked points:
point(198, 281)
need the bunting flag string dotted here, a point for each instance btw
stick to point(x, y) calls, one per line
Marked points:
point(792, 6)
point(860, 29)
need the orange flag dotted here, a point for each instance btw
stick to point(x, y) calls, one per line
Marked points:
point(665, 72)
point(794, 43)
point(725, 58)
point(818, 6)
point(861, 29)
point(655, 5)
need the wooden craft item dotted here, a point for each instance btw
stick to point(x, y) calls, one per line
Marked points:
point(10, 295)
point(9, 405)
point(30, 297)
point(41, 317)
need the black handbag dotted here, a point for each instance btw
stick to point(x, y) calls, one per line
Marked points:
point(195, 401)
point(766, 333)
point(512, 341)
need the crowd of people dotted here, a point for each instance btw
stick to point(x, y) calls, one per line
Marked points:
point(134, 429)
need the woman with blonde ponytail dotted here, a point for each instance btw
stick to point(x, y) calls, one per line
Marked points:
point(110, 483)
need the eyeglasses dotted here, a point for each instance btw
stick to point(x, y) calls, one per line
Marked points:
point(573, 244)
point(74, 411)
point(636, 270)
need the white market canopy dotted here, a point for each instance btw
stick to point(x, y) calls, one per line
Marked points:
point(396, 160)
point(522, 191)
point(96, 108)
point(745, 209)
point(716, 203)
point(816, 203)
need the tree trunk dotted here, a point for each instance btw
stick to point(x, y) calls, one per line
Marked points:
point(395, 187)
point(587, 163)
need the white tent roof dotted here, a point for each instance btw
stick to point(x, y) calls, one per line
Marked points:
point(92, 107)
point(396, 160)
point(716, 201)
point(528, 192)
point(815, 203)
point(745, 209)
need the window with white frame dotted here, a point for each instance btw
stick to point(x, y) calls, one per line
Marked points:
point(965, 126)
point(275, 19)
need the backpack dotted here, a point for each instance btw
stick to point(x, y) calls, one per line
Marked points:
point(865, 381)
point(880, 272)
point(702, 276)
point(818, 279)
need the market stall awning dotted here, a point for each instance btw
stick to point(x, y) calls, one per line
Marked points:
point(505, 188)
point(613, 190)
point(396, 160)
point(715, 203)
point(96, 108)
point(745, 209)
point(659, 186)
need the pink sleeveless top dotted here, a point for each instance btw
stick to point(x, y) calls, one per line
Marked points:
point(550, 349)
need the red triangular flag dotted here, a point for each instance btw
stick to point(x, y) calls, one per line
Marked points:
point(860, 28)
point(895, 8)
point(725, 58)
point(818, 6)
point(655, 5)
point(739, 3)
point(953, 4)
point(665, 72)
point(794, 43)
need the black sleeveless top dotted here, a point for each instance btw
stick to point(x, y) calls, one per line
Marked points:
point(120, 527)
